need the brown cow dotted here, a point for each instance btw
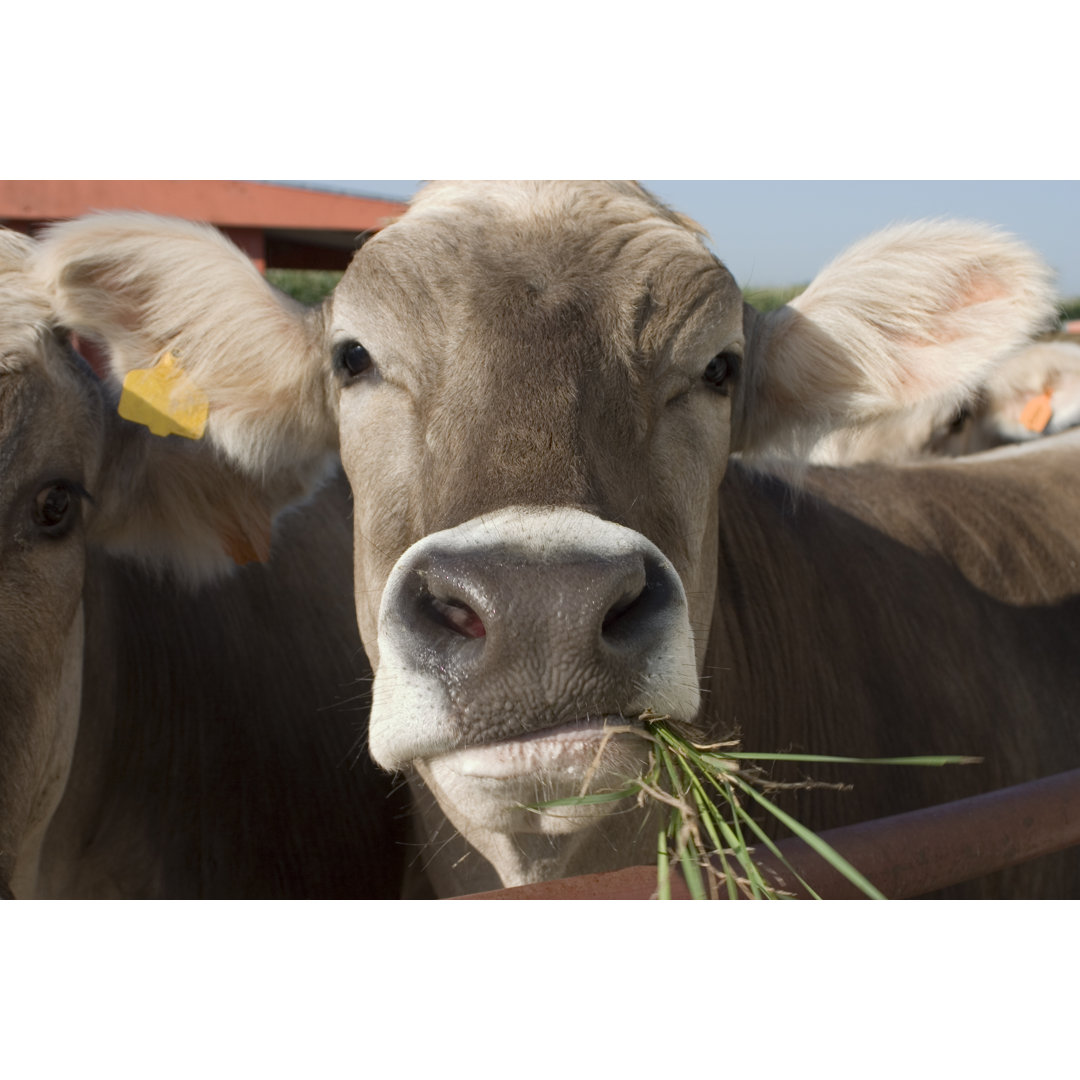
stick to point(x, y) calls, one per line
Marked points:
point(158, 738)
point(1033, 393)
point(537, 389)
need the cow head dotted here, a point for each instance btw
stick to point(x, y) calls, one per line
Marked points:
point(72, 475)
point(536, 388)
point(1034, 392)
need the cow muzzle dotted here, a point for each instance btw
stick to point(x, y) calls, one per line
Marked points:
point(511, 645)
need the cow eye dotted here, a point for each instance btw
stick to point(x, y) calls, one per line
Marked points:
point(56, 507)
point(960, 418)
point(722, 368)
point(353, 358)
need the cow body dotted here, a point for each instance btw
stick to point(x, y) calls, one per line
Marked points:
point(161, 738)
point(537, 390)
point(938, 608)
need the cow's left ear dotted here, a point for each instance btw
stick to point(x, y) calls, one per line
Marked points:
point(180, 307)
point(911, 318)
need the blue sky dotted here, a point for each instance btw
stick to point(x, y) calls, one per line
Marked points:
point(781, 232)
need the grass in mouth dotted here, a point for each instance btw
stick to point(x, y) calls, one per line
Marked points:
point(710, 830)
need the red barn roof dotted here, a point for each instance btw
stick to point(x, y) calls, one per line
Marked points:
point(275, 224)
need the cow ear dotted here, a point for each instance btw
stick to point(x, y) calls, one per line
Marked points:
point(175, 505)
point(151, 288)
point(908, 320)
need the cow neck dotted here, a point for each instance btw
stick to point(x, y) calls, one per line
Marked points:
point(827, 638)
point(98, 846)
point(214, 758)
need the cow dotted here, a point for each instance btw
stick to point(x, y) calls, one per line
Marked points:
point(557, 418)
point(1033, 393)
point(168, 729)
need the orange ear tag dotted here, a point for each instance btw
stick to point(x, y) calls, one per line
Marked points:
point(165, 400)
point(1037, 413)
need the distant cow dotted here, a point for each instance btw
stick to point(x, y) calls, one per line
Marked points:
point(1032, 393)
point(536, 389)
point(160, 737)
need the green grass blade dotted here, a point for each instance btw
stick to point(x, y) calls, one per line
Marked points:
point(831, 856)
point(663, 867)
point(765, 839)
point(758, 884)
point(713, 819)
point(712, 816)
point(691, 868)
point(931, 760)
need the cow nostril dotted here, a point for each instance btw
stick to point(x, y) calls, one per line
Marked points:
point(622, 608)
point(639, 614)
point(456, 616)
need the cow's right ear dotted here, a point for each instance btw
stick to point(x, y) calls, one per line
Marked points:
point(907, 322)
point(146, 286)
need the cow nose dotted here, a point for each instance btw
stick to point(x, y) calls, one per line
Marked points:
point(526, 619)
point(602, 608)
point(592, 622)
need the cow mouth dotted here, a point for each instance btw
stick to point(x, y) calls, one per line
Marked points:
point(569, 749)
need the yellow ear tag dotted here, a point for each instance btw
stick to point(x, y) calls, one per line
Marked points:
point(165, 400)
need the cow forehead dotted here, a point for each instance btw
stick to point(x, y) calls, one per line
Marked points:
point(40, 376)
point(552, 202)
point(486, 253)
point(24, 320)
point(50, 409)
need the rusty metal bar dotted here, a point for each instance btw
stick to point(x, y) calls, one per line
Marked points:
point(905, 856)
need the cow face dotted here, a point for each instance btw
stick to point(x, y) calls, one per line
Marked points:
point(535, 445)
point(1033, 393)
point(1030, 394)
point(72, 475)
point(535, 389)
point(51, 436)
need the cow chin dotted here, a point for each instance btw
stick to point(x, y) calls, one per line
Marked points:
point(509, 786)
point(498, 798)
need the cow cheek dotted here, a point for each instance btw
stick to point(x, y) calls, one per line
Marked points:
point(688, 463)
point(377, 453)
point(52, 716)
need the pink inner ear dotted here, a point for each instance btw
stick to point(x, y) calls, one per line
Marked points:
point(93, 354)
point(982, 290)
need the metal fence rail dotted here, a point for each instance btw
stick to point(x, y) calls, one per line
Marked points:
point(905, 856)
